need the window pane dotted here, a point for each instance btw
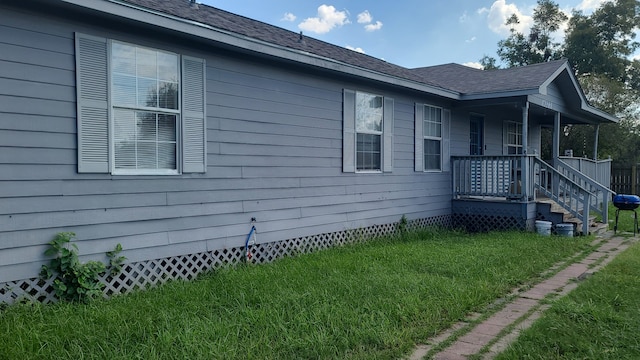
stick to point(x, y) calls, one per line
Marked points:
point(166, 155)
point(368, 112)
point(166, 127)
point(124, 90)
point(147, 92)
point(146, 63)
point(124, 59)
point(125, 154)
point(146, 155)
point(124, 125)
point(432, 154)
point(368, 154)
point(432, 125)
point(168, 95)
point(167, 67)
point(146, 126)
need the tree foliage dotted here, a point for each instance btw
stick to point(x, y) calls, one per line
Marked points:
point(599, 46)
point(519, 49)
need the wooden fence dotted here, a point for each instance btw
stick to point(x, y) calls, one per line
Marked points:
point(625, 180)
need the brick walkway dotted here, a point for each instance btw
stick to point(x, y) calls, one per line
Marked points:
point(523, 309)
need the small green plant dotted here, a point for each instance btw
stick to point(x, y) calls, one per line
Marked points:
point(76, 281)
point(402, 225)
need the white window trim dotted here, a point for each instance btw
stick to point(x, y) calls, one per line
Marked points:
point(441, 138)
point(112, 107)
point(94, 109)
point(349, 134)
point(370, 132)
point(506, 140)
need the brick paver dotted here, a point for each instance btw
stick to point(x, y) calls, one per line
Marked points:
point(523, 310)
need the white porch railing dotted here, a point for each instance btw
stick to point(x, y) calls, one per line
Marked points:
point(600, 192)
point(516, 178)
point(598, 170)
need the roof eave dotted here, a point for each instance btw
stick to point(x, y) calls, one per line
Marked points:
point(210, 33)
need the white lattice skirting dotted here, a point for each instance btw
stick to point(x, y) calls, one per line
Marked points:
point(147, 273)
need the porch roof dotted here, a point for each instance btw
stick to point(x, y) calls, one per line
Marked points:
point(475, 84)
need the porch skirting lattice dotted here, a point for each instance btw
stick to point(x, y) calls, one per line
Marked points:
point(148, 273)
point(486, 216)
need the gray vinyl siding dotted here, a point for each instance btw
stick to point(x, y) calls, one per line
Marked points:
point(274, 152)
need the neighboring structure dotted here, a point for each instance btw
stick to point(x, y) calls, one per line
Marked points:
point(167, 126)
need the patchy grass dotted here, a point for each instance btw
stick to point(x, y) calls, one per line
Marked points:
point(598, 320)
point(365, 301)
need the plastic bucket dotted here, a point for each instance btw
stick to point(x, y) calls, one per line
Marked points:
point(565, 230)
point(543, 227)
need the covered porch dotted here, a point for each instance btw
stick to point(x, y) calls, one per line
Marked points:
point(506, 191)
point(502, 180)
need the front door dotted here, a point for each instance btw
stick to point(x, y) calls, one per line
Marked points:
point(476, 135)
point(476, 147)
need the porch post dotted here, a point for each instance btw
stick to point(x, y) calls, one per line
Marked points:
point(556, 140)
point(595, 144)
point(525, 144)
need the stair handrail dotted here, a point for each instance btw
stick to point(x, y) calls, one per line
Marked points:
point(583, 198)
point(575, 173)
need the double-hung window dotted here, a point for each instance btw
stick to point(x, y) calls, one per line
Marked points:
point(431, 138)
point(369, 119)
point(141, 111)
point(367, 132)
point(145, 109)
point(513, 137)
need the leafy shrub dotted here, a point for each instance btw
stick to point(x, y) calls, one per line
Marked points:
point(76, 281)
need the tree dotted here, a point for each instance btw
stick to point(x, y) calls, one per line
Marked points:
point(538, 46)
point(489, 63)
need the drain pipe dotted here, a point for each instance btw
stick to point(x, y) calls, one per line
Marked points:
point(250, 241)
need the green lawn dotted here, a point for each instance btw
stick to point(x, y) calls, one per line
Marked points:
point(366, 301)
point(598, 320)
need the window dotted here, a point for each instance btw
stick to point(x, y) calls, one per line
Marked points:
point(431, 138)
point(141, 111)
point(369, 119)
point(432, 132)
point(367, 132)
point(145, 110)
point(513, 133)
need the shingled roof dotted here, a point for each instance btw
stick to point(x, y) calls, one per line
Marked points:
point(255, 29)
point(468, 81)
point(450, 80)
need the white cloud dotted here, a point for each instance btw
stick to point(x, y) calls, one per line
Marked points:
point(373, 27)
point(475, 65)
point(288, 17)
point(472, 39)
point(365, 17)
point(498, 14)
point(328, 18)
point(463, 18)
point(590, 5)
point(356, 49)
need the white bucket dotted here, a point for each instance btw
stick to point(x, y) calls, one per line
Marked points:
point(543, 227)
point(565, 230)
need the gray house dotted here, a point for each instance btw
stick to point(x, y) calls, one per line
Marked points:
point(168, 126)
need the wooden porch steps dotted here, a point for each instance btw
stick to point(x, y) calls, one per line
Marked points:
point(549, 210)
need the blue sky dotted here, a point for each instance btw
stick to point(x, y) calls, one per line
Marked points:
point(410, 33)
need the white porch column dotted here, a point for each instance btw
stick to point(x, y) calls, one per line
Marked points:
point(556, 140)
point(595, 144)
point(526, 192)
point(525, 128)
